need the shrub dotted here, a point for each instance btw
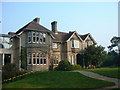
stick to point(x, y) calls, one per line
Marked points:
point(9, 71)
point(64, 65)
point(76, 67)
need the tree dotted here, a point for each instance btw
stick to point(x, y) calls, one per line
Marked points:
point(94, 55)
point(115, 42)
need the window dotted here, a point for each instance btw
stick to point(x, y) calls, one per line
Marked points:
point(89, 43)
point(74, 44)
point(54, 45)
point(34, 37)
point(37, 59)
point(55, 62)
point(44, 37)
point(29, 37)
point(41, 36)
point(34, 58)
point(37, 37)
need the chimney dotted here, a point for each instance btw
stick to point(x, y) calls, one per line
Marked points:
point(36, 20)
point(54, 27)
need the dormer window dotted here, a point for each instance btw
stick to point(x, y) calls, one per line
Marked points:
point(41, 36)
point(89, 43)
point(74, 44)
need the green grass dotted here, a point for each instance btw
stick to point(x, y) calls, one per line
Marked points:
point(110, 72)
point(57, 79)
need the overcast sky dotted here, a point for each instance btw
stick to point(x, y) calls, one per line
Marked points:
point(98, 18)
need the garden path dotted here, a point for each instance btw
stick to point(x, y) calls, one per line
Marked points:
point(101, 77)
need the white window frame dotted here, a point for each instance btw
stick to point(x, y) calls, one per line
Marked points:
point(44, 37)
point(33, 58)
point(37, 36)
point(74, 44)
point(33, 36)
point(40, 38)
point(54, 45)
point(89, 43)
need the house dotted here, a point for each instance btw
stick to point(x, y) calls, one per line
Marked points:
point(6, 53)
point(41, 47)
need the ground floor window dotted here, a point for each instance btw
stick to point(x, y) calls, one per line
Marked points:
point(56, 59)
point(37, 59)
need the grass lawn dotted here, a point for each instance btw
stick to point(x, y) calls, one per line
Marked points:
point(110, 72)
point(57, 79)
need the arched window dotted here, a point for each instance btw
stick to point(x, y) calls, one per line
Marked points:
point(1, 46)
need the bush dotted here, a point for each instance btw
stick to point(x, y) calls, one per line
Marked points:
point(76, 67)
point(64, 65)
point(9, 71)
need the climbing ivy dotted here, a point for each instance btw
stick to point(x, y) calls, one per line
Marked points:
point(23, 58)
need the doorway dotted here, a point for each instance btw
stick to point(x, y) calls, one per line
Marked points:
point(7, 59)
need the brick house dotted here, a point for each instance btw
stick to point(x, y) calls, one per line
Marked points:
point(43, 45)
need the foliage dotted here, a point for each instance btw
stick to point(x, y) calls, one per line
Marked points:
point(76, 67)
point(115, 41)
point(112, 60)
point(24, 58)
point(51, 66)
point(57, 79)
point(64, 65)
point(94, 55)
point(9, 71)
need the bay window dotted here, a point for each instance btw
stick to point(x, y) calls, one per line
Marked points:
point(37, 59)
point(36, 37)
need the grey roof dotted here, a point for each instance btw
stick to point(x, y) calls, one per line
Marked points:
point(59, 37)
point(33, 26)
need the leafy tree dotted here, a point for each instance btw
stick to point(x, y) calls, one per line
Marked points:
point(94, 55)
point(115, 42)
point(111, 60)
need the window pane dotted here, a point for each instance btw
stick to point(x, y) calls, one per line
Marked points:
point(37, 60)
point(41, 62)
point(34, 61)
point(44, 61)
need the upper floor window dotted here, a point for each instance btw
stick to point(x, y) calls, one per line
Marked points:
point(89, 43)
point(54, 45)
point(44, 37)
point(74, 44)
point(36, 37)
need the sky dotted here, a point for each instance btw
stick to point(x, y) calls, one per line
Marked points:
point(100, 19)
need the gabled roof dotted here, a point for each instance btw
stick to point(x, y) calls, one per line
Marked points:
point(33, 26)
point(83, 36)
point(61, 36)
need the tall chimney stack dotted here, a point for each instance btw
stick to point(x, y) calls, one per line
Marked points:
point(37, 20)
point(54, 27)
